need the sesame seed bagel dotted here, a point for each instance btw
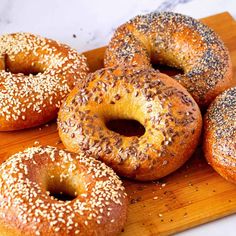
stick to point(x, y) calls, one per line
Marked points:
point(220, 135)
point(169, 114)
point(35, 76)
point(178, 41)
point(27, 208)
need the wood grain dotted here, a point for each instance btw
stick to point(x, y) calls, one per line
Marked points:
point(191, 196)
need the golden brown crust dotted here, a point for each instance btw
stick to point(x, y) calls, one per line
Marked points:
point(178, 41)
point(27, 209)
point(171, 118)
point(35, 76)
point(220, 135)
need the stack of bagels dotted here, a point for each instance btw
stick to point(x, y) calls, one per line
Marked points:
point(42, 79)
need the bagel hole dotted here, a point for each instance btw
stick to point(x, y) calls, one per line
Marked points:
point(168, 70)
point(21, 67)
point(61, 196)
point(126, 127)
point(62, 191)
point(25, 71)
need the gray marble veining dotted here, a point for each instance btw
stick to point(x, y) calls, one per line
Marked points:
point(170, 5)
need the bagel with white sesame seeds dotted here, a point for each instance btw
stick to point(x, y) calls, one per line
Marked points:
point(178, 41)
point(29, 181)
point(170, 116)
point(220, 135)
point(36, 74)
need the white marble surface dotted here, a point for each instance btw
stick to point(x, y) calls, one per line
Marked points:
point(92, 22)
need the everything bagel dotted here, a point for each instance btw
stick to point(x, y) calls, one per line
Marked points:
point(220, 135)
point(178, 41)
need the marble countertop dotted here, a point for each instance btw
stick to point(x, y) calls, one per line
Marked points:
point(88, 24)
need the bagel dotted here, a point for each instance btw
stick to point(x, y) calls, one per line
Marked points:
point(178, 41)
point(220, 135)
point(170, 116)
point(35, 76)
point(27, 207)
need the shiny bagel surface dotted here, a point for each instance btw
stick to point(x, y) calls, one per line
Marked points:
point(220, 134)
point(178, 41)
point(27, 207)
point(170, 116)
point(35, 76)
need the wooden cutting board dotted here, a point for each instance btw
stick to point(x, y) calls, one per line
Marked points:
point(191, 196)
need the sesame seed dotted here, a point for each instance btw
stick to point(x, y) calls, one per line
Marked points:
point(220, 123)
point(205, 64)
point(24, 194)
point(22, 94)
